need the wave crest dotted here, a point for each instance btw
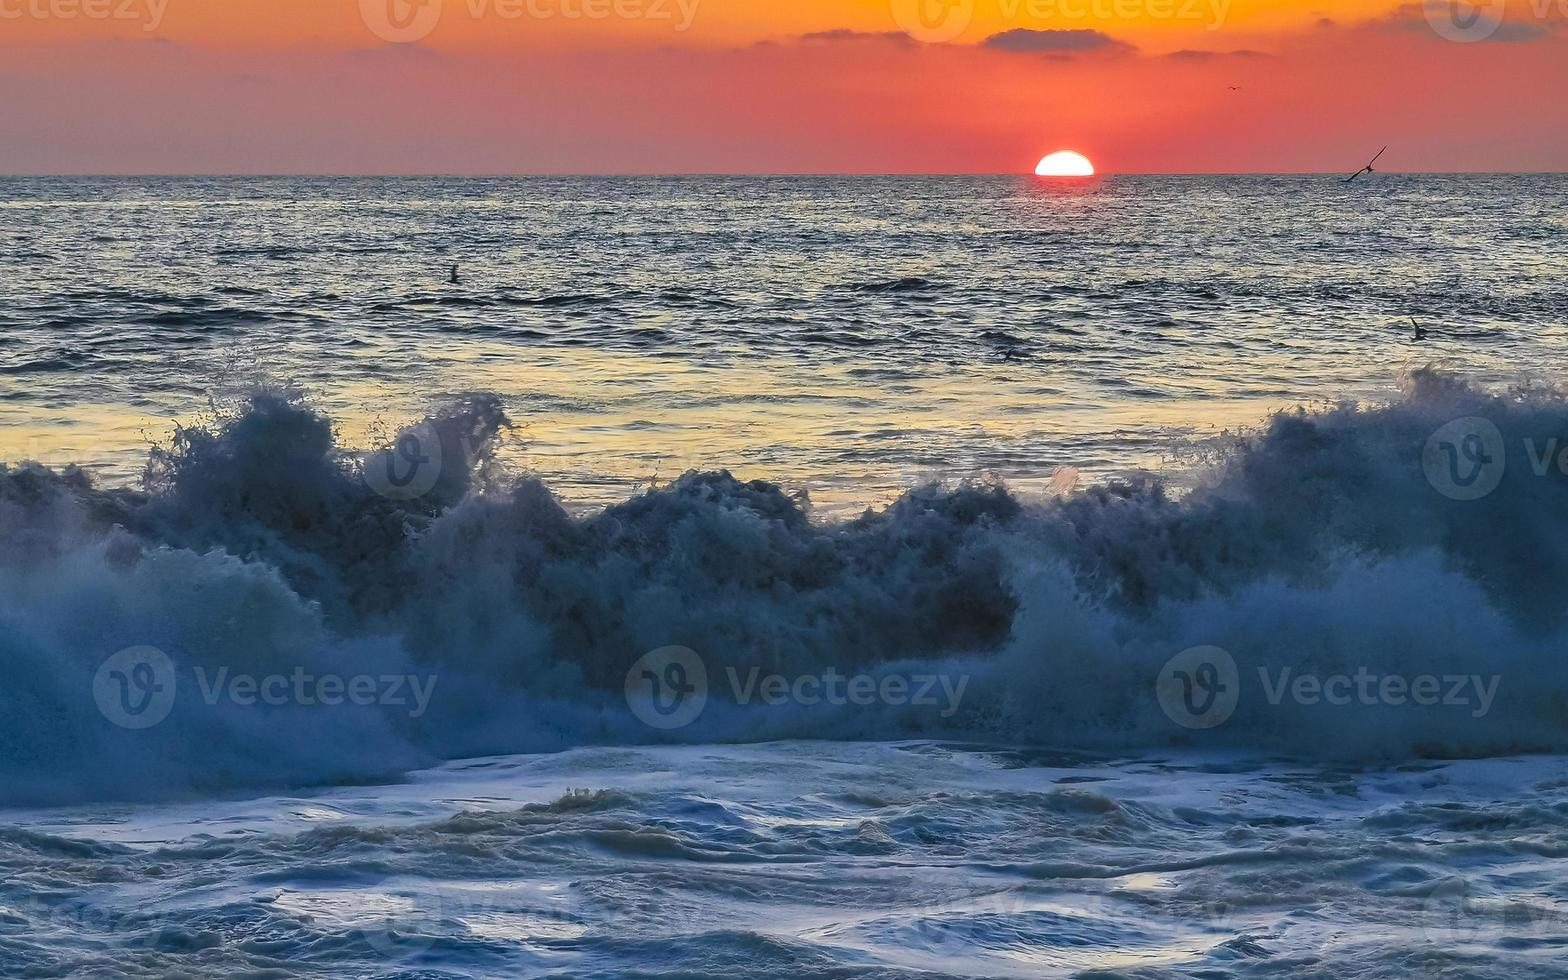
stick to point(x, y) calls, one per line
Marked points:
point(1316, 544)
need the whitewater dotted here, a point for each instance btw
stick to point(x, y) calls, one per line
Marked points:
point(1056, 816)
point(330, 685)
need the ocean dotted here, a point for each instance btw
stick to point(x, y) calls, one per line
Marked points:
point(783, 577)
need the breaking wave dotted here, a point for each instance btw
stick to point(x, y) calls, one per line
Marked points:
point(1315, 545)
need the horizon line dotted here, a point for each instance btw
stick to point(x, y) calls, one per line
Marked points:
point(412, 175)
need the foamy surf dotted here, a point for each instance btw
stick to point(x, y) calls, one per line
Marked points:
point(325, 615)
point(813, 859)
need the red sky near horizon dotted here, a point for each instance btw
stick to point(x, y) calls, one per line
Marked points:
point(749, 86)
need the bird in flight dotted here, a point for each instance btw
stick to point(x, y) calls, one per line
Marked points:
point(1368, 168)
point(1234, 88)
point(1420, 330)
point(453, 277)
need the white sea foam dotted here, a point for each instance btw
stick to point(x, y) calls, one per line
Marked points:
point(1317, 545)
point(819, 859)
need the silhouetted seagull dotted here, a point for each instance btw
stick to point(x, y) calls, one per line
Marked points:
point(453, 277)
point(1234, 88)
point(1420, 330)
point(1368, 168)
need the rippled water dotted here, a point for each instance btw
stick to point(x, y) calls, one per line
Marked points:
point(815, 860)
point(1057, 815)
point(851, 336)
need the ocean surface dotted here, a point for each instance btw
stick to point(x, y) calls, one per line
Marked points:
point(784, 577)
point(847, 336)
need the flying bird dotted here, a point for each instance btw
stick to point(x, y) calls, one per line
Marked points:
point(453, 277)
point(1368, 168)
point(1420, 330)
point(1234, 88)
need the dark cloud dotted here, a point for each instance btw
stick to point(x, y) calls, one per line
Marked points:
point(1521, 32)
point(1192, 55)
point(1417, 17)
point(1023, 40)
point(844, 34)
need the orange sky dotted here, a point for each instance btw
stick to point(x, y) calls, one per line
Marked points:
point(580, 86)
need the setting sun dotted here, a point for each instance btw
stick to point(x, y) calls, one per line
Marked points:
point(1064, 163)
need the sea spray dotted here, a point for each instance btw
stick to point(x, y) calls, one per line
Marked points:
point(1317, 544)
